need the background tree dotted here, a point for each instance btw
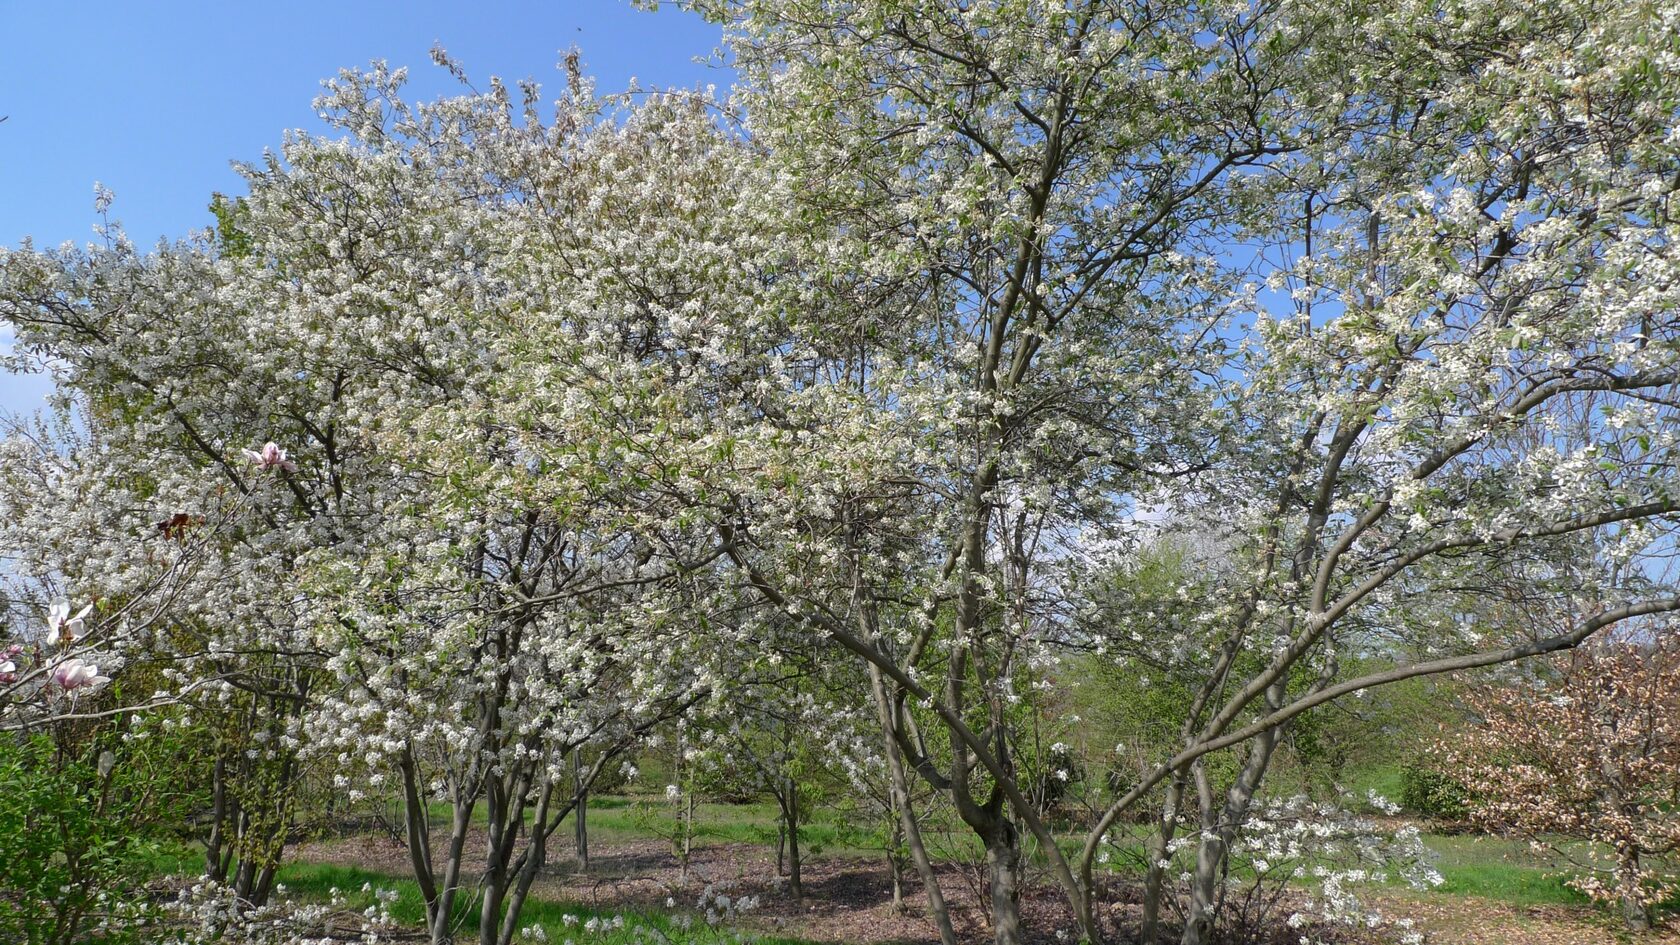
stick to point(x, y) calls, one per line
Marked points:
point(1588, 749)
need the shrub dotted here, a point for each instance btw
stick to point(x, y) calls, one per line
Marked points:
point(72, 861)
point(1430, 793)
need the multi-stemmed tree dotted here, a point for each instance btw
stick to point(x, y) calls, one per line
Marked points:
point(409, 592)
point(1371, 302)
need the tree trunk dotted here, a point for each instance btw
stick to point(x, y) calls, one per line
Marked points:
point(490, 908)
point(1634, 913)
point(494, 885)
point(265, 884)
point(795, 884)
point(895, 862)
point(900, 782)
point(417, 831)
point(580, 813)
point(687, 832)
point(215, 867)
point(1204, 889)
point(1218, 836)
point(1003, 862)
point(1154, 883)
point(246, 874)
point(529, 865)
point(442, 912)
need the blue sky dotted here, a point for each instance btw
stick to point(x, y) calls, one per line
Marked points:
point(155, 99)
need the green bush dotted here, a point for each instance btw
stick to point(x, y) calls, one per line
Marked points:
point(65, 874)
point(1430, 793)
point(84, 816)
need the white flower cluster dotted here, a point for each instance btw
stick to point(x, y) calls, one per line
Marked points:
point(1332, 852)
point(214, 913)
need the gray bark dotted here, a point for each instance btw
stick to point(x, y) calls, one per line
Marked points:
point(1154, 884)
point(581, 813)
point(937, 909)
point(1215, 846)
point(795, 884)
point(1003, 862)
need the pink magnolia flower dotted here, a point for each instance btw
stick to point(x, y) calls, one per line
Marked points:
point(76, 673)
point(269, 457)
point(62, 626)
point(8, 663)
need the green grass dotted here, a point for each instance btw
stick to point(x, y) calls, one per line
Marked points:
point(1387, 780)
point(170, 857)
point(1500, 868)
point(1509, 871)
point(354, 886)
point(620, 818)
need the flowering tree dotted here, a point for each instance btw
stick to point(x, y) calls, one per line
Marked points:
point(1254, 273)
point(354, 304)
point(1590, 753)
point(516, 613)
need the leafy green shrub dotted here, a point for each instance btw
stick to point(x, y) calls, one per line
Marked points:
point(1430, 793)
point(72, 864)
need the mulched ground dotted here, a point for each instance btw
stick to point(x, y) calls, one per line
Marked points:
point(850, 900)
point(1468, 920)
